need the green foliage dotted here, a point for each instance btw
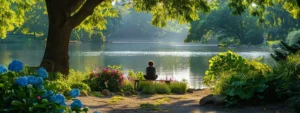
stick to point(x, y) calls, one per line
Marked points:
point(229, 61)
point(273, 44)
point(227, 28)
point(24, 93)
point(135, 75)
point(236, 78)
point(110, 78)
point(97, 94)
point(293, 37)
point(178, 87)
point(59, 86)
point(84, 88)
point(148, 106)
point(163, 11)
point(115, 99)
point(127, 86)
point(163, 88)
point(149, 87)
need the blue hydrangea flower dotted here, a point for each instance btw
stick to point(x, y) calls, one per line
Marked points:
point(39, 81)
point(41, 87)
point(96, 112)
point(76, 103)
point(42, 73)
point(47, 94)
point(22, 81)
point(3, 69)
point(74, 93)
point(59, 99)
point(32, 80)
point(16, 66)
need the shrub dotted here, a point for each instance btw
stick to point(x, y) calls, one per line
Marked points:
point(84, 88)
point(293, 37)
point(178, 87)
point(109, 78)
point(162, 88)
point(149, 89)
point(237, 79)
point(127, 86)
point(229, 61)
point(135, 75)
point(22, 93)
point(59, 86)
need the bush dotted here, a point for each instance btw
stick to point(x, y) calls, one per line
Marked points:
point(109, 78)
point(127, 87)
point(162, 88)
point(22, 93)
point(293, 37)
point(232, 62)
point(178, 87)
point(238, 79)
point(84, 88)
point(135, 75)
point(149, 87)
point(59, 86)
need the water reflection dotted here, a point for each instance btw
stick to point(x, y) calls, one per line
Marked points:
point(173, 61)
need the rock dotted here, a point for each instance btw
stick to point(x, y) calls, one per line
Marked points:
point(120, 93)
point(190, 90)
point(128, 93)
point(212, 99)
point(106, 92)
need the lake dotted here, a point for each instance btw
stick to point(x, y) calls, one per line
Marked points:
point(177, 61)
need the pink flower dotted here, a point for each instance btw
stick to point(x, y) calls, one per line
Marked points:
point(97, 74)
point(92, 75)
point(114, 71)
point(39, 97)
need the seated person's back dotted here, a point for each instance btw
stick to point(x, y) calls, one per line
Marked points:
point(150, 72)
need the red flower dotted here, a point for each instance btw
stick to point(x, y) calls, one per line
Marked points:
point(39, 97)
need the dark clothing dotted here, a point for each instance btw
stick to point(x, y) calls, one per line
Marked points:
point(150, 77)
point(150, 73)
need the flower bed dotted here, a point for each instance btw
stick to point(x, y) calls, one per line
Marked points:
point(23, 93)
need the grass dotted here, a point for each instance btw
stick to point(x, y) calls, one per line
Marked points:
point(162, 100)
point(148, 87)
point(147, 106)
point(155, 106)
point(97, 94)
point(115, 99)
point(178, 87)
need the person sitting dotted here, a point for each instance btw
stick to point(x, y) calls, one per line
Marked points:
point(150, 71)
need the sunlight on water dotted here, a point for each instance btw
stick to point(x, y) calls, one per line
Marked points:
point(252, 54)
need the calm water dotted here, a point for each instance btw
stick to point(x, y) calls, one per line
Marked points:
point(176, 61)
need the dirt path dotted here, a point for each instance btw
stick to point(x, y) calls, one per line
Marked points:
point(188, 103)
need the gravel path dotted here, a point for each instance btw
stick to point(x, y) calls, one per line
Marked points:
point(188, 103)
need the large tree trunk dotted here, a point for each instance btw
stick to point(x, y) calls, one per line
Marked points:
point(61, 23)
point(56, 58)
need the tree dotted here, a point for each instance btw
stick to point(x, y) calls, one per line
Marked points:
point(237, 29)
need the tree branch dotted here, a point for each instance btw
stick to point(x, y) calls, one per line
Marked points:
point(86, 10)
point(72, 6)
